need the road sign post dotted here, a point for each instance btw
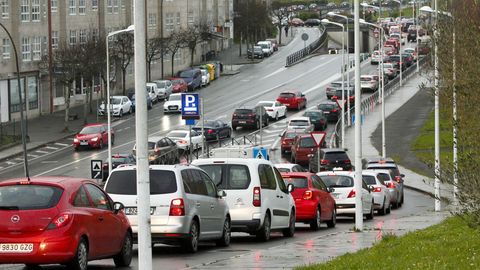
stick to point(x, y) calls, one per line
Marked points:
point(96, 169)
point(319, 138)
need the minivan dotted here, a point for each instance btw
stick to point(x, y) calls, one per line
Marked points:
point(192, 76)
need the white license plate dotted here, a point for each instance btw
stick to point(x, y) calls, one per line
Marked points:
point(326, 112)
point(336, 195)
point(83, 143)
point(242, 122)
point(133, 210)
point(16, 248)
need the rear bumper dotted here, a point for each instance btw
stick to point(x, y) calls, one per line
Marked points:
point(306, 210)
point(246, 225)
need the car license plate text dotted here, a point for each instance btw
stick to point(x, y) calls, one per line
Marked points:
point(133, 210)
point(16, 248)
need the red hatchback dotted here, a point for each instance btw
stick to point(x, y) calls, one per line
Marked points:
point(178, 85)
point(313, 200)
point(302, 147)
point(293, 100)
point(287, 138)
point(61, 220)
point(92, 136)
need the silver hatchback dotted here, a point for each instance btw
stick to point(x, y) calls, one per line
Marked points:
point(186, 206)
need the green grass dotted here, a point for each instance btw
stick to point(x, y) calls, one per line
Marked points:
point(448, 245)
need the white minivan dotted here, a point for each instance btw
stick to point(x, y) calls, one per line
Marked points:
point(258, 199)
point(267, 47)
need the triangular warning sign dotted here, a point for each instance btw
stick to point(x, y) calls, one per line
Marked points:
point(318, 137)
point(259, 155)
point(96, 166)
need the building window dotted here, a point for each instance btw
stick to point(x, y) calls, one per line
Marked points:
point(73, 37)
point(35, 10)
point(109, 6)
point(6, 48)
point(14, 98)
point(191, 18)
point(94, 4)
point(115, 6)
point(83, 36)
point(32, 93)
point(54, 39)
point(26, 50)
point(25, 11)
point(123, 4)
point(37, 48)
point(95, 35)
point(81, 7)
point(72, 8)
point(5, 8)
point(178, 18)
point(152, 19)
point(54, 5)
point(169, 22)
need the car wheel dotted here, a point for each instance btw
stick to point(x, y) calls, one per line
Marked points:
point(113, 139)
point(121, 113)
point(100, 144)
point(124, 258)
point(32, 266)
point(226, 235)
point(264, 233)
point(298, 107)
point(389, 209)
point(316, 222)
point(290, 231)
point(268, 122)
point(80, 260)
point(369, 216)
point(191, 243)
point(131, 110)
point(333, 222)
point(403, 197)
point(276, 116)
point(383, 211)
point(234, 127)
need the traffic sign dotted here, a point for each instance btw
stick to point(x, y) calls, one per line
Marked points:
point(190, 106)
point(96, 169)
point(190, 122)
point(304, 36)
point(319, 137)
point(260, 153)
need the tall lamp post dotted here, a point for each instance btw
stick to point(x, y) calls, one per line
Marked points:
point(326, 21)
point(358, 122)
point(400, 47)
point(109, 120)
point(22, 120)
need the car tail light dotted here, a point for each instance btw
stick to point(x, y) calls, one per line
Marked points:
point(324, 162)
point(307, 195)
point(257, 197)
point(157, 150)
point(269, 110)
point(60, 221)
point(334, 97)
point(351, 194)
point(377, 189)
point(390, 185)
point(347, 161)
point(250, 115)
point(284, 142)
point(234, 115)
point(210, 131)
point(177, 208)
point(334, 110)
point(398, 178)
point(105, 165)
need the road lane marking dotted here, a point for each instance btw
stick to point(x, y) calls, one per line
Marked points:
point(275, 72)
point(41, 152)
point(10, 163)
point(61, 144)
point(49, 161)
point(51, 147)
point(127, 128)
point(19, 159)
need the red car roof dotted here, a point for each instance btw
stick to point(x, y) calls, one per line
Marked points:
point(65, 182)
point(95, 124)
point(297, 174)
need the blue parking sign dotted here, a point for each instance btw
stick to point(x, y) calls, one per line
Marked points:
point(190, 106)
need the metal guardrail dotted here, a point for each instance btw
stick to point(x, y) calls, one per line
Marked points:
point(295, 57)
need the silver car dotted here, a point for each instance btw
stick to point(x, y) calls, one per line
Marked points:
point(164, 88)
point(186, 206)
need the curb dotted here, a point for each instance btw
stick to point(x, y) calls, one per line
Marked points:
point(419, 190)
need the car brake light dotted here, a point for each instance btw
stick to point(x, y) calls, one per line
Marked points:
point(307, 195)
point(334, 110)
point(257, 197)
point(347, 161)
point(351, 194)
point(390, 185)
point(377, 189)
point(177, 208)
point(234, 115)
point(211, 131)
point(60, 221)
point(398, 178)
point(324, 162)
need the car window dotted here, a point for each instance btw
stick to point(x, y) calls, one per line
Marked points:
point(267, 177)
point(287, 95)
point(364, 185)
point(193, 179)
point(384, 177)
point(319, 183)
point(280, 182)
point(337, 180)
point(125, 182)
point(369, 179)
point(29, 197)
point(336, 156)
point(81, 199)
point(99, 198)
point(307, 142)
point(163, 143)
point(297, 182)
point(227, 176)
point(283, 170)
point(210, 186)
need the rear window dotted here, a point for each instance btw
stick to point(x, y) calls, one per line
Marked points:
point(369, 179)
point(283, 170)
point(392, 170)
point(287, 95)
point(298, 123)
point(29, 197)
point(298, 182)
point(125, 182)
point(336, 84)
point(151, 145)
point(243, 111)
point(384, 177)
point(226, 176)
point(291, 135)
point(307, 142)
point(336, 156)
point(325, 107)
point(337, 180)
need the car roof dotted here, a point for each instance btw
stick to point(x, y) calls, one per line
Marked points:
point(326, 150)
point(60, 181)
point(377, 159)
point(95, 124)
point(297, 174)
point(244, 161)
point(289, 92)
point(155, 138)
point(117, 96)
point(332, 173)
point(314, 110)
point(157, 167)
point(285, 165)
point(328, 102)
point(382, 165)
point(151, 84)
point(300, 118)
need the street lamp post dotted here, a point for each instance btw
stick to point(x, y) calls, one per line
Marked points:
point(343, 77)
point(400, 47)
point(109, 120)
point(358, 122)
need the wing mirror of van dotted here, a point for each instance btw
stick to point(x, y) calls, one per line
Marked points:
point(221, 193)
point(290, 188)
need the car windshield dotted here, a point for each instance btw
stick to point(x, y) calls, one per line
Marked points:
point(266, 104)
point(243, 111)
point(174, 97)
point(283, 170)
point(307, 142)
point(115, 101)
point(297, 182)
point(208, 124)
point(151, 145)
point(287, 95)
point(369, 179)
point(187, 73)
point(160, 84)
point(301, 123)
point(337, 180)
point(175, 134)
point(29, 197)
point(336, 156)
point(91, 130)
point(264, 46)
point(177, 81)
point(125, 182)
point(326, 107)
point(228, 176)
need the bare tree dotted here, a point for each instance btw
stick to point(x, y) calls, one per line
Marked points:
point(279, 13)
point(175, 42)
point(193, 36)
point(154, 49)
point(122, 54)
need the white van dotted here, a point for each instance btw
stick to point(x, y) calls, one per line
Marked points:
point(153, 92)
point(258, 199)
point(267, 47)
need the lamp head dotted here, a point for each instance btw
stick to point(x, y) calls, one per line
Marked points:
point(426, 9)
point(325, 21)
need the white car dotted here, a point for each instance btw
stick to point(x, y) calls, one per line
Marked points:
point(184, 139)
point(173, 104)
point(380, 192)
point(164, 87)
point(275, 109)
point(301, 123)
point(153, 92)
point(205, 77)
point(368, 82)
point(411, 51)
point(258, 199)
point(344, 193)
point(267, 47)
point(119, 105)
point(289, 167)
point(377, 58)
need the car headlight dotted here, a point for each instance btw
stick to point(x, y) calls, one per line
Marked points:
point(95, 139)
point(75, 140)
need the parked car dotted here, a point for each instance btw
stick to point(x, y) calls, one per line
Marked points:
point(289, 167)
point(303, 148)
point(313, 201)
point(186, 206)
point(165, 88)
point(368, 82)
point(192, 76)
point(178, 85)
point(287, 137)
point(257, 196)
point(380, 193)
point(161, 150)
point(250, 117)
point(267, 47)
point(214, 129)
point(331, 109)
point(333, 87)
point(317, 118)
point(134, 103)
point(301, 124)
point(275, 109)
point(257, 52)
point(274, 43)
point(153, 92)
point(118, 160)
point(119, 106)
point(205, 77)
point(186, 140)
point(173, 104)
point(312, 22)
point(331, 159)
point(61, 220)
point(93, 136)
point(344, 193)
point(293, 99)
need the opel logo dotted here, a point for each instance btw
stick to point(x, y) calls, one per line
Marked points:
point(15, 218)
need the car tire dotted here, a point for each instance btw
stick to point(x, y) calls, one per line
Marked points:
point(80, 260)
point(226, 234)
point(290, 231)
point(32, 266)
point(121, 113)
point(268, 122)
point(276, 116)
point(383, 211)
point(100, 144)
point(317, 220)
point(191, 242)
point(234, 127)
point(403, 197)
point(113, 139)
point(124, 258)
point(333, 222)
point(131, 110)
point(264, 233)
point(370, 215)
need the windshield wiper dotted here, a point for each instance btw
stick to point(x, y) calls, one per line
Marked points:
point(9, 208)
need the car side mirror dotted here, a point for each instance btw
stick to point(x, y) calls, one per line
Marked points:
point(221, 194)
point(330, 189)
point(290, 188)
point(117, 206)
point(402, 175)
point(370, 188)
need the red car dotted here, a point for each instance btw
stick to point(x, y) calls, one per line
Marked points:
point(179, 85)
point(287, 138)
point(61, 220)
point(302, 147)
point(313, 200)
point(293, 100)
point(93, 136)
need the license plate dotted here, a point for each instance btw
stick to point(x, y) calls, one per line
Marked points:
point(83, 143)
point(336, 195)
point(133, 210)
point(326, 112)
point(242, 122)
point(173, 107)
point(16, 248)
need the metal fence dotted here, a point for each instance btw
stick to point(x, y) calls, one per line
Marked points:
point(10, 133)
point(297, 56)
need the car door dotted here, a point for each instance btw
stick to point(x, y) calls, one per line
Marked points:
point(366, 198)
point(283, 198)
point(268, 194)
point(217, 205)
point(282, 109)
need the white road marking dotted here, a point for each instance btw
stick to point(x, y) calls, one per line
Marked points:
point(51, 147)
point(127, 128)
point(33, 156)
point(41, 152)
point(19, 159)
point(62, 144)
point(49, 161)
point(275, 72)
point(10, 162)
point(120, 129)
